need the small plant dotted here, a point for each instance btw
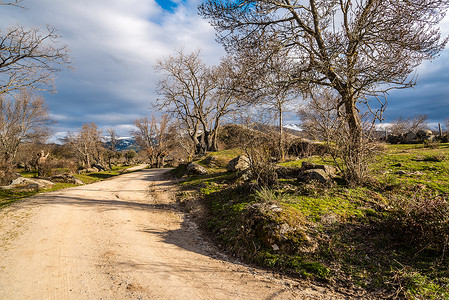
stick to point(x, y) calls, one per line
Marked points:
point(410, 284)
point(266, 195)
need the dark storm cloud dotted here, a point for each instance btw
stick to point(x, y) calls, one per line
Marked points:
point(430, 96)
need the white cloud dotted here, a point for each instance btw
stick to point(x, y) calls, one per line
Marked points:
point(114, 45)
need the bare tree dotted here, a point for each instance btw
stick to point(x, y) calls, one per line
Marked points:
point(360, 49)
point(87, 144)
point(12, 3)
point(266, 82)
point(404, 125)
point(196, 95)
point(29, 58)
point(152, 137)
point(111, 145)
point(24, 118)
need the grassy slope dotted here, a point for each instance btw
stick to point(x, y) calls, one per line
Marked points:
point(10, 196)
point(364, 234)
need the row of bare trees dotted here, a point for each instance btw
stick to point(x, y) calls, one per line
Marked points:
point(341, 56)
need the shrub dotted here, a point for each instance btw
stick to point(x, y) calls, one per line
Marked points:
point(423, 220)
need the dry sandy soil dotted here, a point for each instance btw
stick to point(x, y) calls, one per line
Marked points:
point(114, 240)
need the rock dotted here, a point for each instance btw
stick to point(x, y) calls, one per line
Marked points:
point(30, 183)
point(287, 172)
point(400, 172)
point(423, 132)
point(318, 175)
point(410, 137)
point(99, 167)
point(277, 230)
point(213, 162)
point(429, 138)
point(92, 170)
point(329, 170)
point(240, 163)
point(196, 169)
point(66, 179)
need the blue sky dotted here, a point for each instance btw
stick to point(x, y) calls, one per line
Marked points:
point(114, 45)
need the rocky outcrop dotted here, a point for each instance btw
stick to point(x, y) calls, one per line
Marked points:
point(63, 178)
point(411, 137)
point(277, 229)
point(315, 172)
point(195, 169)
point(240, 163)
point(29, 184)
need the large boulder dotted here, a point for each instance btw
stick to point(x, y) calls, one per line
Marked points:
point(240, 163)
point(99, 167)
point(315, 172)
point(29, 183)
point(330, 170)
point(317, 175)
point(423, 133)
point(66, 179)
point(196, 169)
point(410, 137)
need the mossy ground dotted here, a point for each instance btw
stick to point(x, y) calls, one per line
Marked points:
point(359, 239)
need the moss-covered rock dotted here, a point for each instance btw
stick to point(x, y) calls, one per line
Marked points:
point(278, 229)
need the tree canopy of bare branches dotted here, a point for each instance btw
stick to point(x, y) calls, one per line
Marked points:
point(404, 125)
point(29, 58)
point(24, 117)
point(152, 137)
point(195, 94)
point(86, 143)
point(358, 48)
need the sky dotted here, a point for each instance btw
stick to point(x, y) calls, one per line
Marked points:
point(114, 45)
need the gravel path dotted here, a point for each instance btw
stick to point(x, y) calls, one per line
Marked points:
point(114, 240)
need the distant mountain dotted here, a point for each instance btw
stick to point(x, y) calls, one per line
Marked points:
point(125, 144)
point(294, 127)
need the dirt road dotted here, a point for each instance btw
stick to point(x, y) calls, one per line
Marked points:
point(113, 240)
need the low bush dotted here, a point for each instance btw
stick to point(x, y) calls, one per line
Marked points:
point(422, 219)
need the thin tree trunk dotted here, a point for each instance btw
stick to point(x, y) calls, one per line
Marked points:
point(281, 134)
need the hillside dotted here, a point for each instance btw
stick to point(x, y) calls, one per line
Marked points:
point(388, 237)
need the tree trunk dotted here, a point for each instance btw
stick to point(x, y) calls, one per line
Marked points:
point(281, 134)
point(354, 160)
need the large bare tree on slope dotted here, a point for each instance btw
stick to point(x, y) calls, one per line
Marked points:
point(359, 49)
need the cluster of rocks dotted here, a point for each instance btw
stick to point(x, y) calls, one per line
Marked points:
point(36, 184)
point(93, 169)
point(411, 137)
point(309, 172)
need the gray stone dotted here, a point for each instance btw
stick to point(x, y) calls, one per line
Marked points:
point(424, 132)
point(196, 169)
point(429, 138)
point(92, 170)
point(240, 163)
point(30, 183)
point(318, 175)
point(329, 170)
point(410, 137)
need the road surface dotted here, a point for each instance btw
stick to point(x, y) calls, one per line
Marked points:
point(122, 239)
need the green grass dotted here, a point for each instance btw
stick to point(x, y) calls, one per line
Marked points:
point(357, 229)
